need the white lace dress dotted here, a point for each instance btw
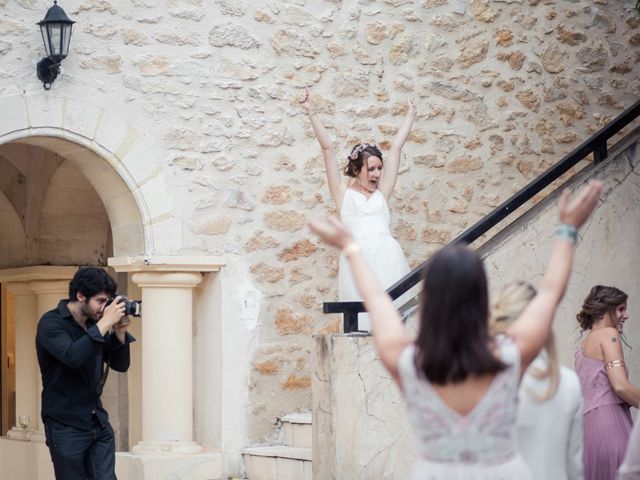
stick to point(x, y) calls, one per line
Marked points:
point(368, 220)
point(478, 446)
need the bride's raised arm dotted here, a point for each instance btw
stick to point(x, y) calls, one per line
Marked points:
point(332, 169)
point(392, 162)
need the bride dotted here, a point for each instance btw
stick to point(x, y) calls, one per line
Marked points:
point(363, 202)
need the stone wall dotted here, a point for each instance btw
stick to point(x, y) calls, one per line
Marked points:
point(504, 88)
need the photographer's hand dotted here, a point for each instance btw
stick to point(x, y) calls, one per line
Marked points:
point(121, 328)
point(111, 315)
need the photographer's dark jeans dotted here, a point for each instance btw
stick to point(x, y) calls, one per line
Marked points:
point(79, 454)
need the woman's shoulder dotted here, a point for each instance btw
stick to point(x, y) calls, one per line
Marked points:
point(601, 335)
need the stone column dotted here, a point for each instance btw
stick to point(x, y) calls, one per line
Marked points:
point(27, 384)
point(167, 357)
point(48, 294)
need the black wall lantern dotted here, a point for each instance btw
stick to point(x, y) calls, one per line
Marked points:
point(56, 35)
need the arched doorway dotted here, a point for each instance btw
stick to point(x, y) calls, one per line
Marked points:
point(51, 215)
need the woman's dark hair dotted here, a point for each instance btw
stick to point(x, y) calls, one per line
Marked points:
point(90, 281)
point(453, 339)
point(358, 158)
point(599, 301)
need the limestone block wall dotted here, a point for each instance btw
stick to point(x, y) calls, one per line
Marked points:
point(504, 88)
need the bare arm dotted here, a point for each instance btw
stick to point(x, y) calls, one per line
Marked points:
point(389, 333)
point(532, 327)
point(614, 366)
point(332, 169)
point(392, 162)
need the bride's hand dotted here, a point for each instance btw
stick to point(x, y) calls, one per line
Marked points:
point(411, 108)
point(306, 102)
point(332, 231)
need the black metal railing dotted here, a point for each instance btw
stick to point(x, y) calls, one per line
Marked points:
point(597, 144)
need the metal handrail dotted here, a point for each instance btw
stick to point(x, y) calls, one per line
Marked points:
point(596, 144)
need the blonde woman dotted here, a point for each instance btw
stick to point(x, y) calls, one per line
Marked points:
point(549, 422)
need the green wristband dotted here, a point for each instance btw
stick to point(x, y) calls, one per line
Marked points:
point(567, 232)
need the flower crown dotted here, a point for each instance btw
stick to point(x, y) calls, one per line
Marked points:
point(360, 147)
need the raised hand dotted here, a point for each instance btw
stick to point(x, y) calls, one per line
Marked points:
point(332, 231)
point(306, 102)
point(576, 211)
point(113, 312)
point(411, 108)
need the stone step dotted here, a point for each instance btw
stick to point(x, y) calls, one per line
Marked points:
point(277, 463)
point(296, 430)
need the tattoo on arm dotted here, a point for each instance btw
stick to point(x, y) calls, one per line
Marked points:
point(614, 339)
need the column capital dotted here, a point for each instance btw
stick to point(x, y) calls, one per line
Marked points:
point(20, 288)
point(167, 279)
point(37, 272)
point(40, 287)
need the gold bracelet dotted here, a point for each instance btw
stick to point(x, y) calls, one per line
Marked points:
point(350, 249)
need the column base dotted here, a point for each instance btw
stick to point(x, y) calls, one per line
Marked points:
point(37, 436)
point(153, 466)
point(17, 433)
point(176, 447)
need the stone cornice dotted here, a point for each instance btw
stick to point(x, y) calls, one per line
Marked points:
point(203, 263)
point(38, 272)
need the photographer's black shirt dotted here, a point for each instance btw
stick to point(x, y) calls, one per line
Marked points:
point(72, 363)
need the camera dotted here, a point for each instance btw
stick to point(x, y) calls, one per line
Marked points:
point(131, 307)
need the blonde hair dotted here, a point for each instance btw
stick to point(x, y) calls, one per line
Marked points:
point(505, 309)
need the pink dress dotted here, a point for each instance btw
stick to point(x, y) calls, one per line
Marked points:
point(478, 446)
point(607, 420)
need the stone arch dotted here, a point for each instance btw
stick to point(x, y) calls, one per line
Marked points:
point(119, 160)
point(13, 243)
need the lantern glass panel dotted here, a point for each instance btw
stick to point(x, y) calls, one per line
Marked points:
point(46, 39)
point(66, 38)
point(55, 33)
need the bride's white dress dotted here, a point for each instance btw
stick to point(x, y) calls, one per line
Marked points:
point(368, 220)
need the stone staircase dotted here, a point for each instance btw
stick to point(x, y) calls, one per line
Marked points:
point(290, 460)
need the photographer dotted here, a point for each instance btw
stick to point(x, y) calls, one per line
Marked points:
point(76, 344)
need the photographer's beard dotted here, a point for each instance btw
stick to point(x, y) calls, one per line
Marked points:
point(92, 314)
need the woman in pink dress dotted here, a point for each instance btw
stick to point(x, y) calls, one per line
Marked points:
point(605, 383)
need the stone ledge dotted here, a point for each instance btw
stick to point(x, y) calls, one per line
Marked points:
point(167, 263)
point(279, 451)
point(304, 418)
point(163, 466)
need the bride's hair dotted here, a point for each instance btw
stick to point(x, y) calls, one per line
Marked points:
point(358, 157)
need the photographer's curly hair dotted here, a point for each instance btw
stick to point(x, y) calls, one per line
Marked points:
point(358, 157)
point(599, 301)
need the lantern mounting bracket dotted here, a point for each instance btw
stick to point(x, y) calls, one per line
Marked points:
point(48, 71)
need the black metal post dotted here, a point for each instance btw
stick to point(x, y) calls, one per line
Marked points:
point(600, 152)
point(350, 322)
